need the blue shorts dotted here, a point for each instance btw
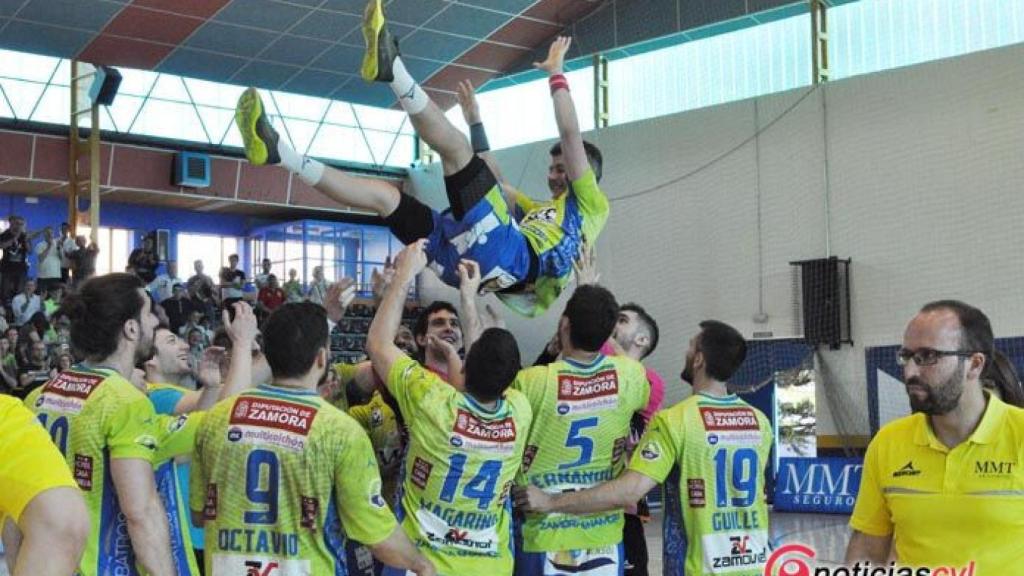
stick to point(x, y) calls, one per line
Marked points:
point(487, 234)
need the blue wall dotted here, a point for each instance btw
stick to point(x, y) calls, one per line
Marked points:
point(137, 217)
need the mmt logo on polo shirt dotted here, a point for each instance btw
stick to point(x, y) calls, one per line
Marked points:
point(993, 468)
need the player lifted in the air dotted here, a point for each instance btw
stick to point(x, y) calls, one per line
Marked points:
point(527, 263)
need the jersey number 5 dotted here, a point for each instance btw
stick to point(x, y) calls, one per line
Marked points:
point(743, 489)
point(576, 439)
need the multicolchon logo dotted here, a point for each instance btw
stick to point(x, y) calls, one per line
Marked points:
point(799, 556)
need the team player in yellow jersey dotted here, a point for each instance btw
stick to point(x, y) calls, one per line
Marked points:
point(45, 520)
point(710, 452)
point(464, 448)
point(107, 428)
point(945, 486)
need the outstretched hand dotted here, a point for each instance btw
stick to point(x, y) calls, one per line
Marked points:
point(586, 266)
point(469, 277)
point(555, 62)
point(338, 298)
point(381, 279)
point(243, 328)
point(468, 103)
point(412, 260)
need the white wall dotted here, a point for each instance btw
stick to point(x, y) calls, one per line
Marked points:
point(924, 169)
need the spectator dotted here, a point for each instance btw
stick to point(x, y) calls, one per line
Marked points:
point(61, 326)
point(318, 287)
point(8, 367)
point(14, 264)
point(83, 260)
point(293, 288)
point(13, 336)
point(144, 261)
point(200, 284)
point(178, 308)
point(63, 362)
point(35, 371)
point(38, 329)
point(54, 295)
point(67, 246)
point(162, 287)
point(26, 303)
point(263, 278)
point(196, 322)
point(232, 280)
point(48, 259)
point(3, 320)
point(271, 296)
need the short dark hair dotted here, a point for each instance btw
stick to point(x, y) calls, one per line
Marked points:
point(492, 364)
point(647, 321)
point(592, 312)
point(594, 156)
point(420, 327)
point(293, 335)
point(724, 349)
point(975, 328)
point(98, 311)
point(235, 256)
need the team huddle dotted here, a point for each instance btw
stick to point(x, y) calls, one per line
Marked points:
point(452, 462)
point(440, 454)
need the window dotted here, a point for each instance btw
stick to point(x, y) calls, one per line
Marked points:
point(34, 87)
point(115, 246)
point(212, 250)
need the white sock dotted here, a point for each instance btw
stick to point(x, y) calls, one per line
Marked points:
point(309, 170)
point(412, 98)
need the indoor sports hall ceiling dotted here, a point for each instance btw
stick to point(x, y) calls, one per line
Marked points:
point(314, 47)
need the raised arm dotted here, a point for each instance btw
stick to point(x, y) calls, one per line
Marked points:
point(380, 342)
point(469, 285)
point(576, 164)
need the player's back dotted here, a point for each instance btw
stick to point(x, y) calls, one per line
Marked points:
point(461, 462)
point(285, 483)
point(716, 517)
point(94, 415)
point(578, 440)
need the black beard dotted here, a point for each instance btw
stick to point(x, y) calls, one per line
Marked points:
point(941, 399)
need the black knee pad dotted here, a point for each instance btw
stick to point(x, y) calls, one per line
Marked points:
point(411, 220)
point(468, 186)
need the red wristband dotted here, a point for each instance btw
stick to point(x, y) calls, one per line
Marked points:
point(558, 82)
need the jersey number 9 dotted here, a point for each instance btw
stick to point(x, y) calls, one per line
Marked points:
point(262, 488)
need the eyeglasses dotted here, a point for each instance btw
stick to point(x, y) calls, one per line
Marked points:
point(928, 356)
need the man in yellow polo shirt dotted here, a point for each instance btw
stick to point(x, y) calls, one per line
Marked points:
point(946, 484)
point(43, 514)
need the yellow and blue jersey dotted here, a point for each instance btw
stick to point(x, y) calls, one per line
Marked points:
point(578, 440)
point(381, 425)
point(177, 439)
point(710, 453)
point(462, 458)
point(93, 416)
point(286, 482)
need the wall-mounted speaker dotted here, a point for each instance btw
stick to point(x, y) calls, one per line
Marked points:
point(191, 169)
